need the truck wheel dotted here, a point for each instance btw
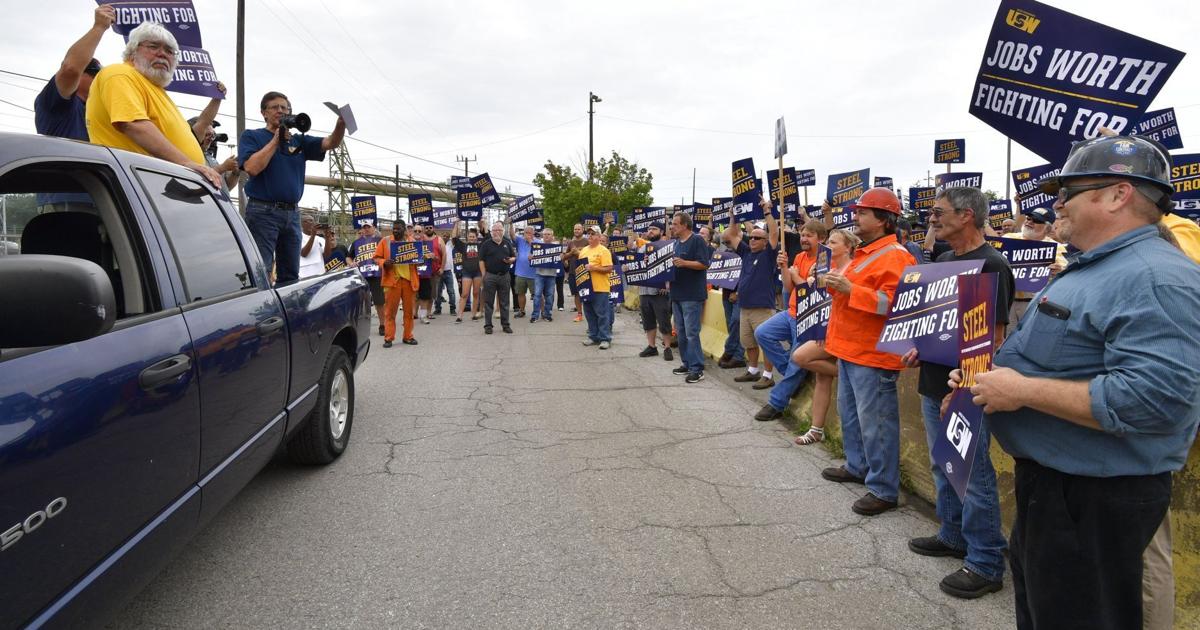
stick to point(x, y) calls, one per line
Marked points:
point(326, 430)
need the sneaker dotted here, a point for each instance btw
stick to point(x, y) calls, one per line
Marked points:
point(387, 344)
point(507, 330)
point(487, 330)
point(533, 320)
point(410, 342)
point(520, 314)
point(424, 320)
point(934, 547)
point(650, 351)
point(746, 378)
point(966, 584)
point(694, 377)
point(590, 342)
point(550, 319)
point(433, 316)
point(578, 318)
point(764, 383)
point(453, 311)
point(681, 370)
point(561, 308)
point(871, 505)
point(667, 354)
point(604, 345)
point(381, 333)
point(438, 311)
point(840, 475)
point(457, 320)
point(768, 413)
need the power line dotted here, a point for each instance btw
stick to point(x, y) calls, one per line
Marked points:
point(15, 105)
point(771, 134)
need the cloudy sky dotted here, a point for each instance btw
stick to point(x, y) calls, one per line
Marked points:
point(685, 85)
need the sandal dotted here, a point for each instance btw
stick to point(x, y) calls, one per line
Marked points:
point(814, 435)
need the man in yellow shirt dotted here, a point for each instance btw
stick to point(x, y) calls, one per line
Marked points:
point(1186, 233)
point(596, 261)
point(1035, 228)
point(128, 108)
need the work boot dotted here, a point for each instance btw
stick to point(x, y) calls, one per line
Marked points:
point(966, 584)
point(764, 383)
point(871, 505)
point(748, 377)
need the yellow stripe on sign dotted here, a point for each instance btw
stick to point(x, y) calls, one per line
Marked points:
point(1042, 87)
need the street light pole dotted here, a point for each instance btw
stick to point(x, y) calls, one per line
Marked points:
point(592, 99)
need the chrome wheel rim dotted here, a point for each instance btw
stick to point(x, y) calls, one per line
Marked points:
point(339, 405)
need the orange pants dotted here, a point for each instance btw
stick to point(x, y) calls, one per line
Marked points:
point(391, 305)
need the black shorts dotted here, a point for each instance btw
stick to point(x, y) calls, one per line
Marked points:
point(425, 290)
point(469, 274)
point(656, 312)
point(377, 297)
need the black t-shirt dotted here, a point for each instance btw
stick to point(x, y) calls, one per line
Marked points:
point(493, 254)
point(932, 379)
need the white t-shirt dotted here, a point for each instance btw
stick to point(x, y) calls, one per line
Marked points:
point(314, 263)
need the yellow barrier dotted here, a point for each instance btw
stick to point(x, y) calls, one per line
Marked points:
point(916, 477)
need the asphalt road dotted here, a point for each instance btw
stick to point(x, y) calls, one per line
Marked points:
point(526, 481)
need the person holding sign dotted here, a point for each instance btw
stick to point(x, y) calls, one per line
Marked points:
point(867, 402)
point(472, 277)
point(971, 526)
point(59, 108)
point(598, 262)
point(688, 294)
point(128, 107)
point(362, 253)
point(655, 305)
point(543, 283)
point(755, 292)
point(400, 284)
point(1094, 394)
point(577, 242)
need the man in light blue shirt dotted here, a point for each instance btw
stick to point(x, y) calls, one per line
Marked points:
point(525, 279)
point(1097, 395)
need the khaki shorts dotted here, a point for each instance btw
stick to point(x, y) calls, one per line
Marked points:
point(752, 318)
point(523, 285)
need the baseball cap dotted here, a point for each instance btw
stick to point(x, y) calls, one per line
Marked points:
point(93, 67)
point(595, 229)
point(659, 225)
point(192, 122)
point(1041, 215)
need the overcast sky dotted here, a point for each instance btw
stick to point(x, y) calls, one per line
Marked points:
point(684, 84)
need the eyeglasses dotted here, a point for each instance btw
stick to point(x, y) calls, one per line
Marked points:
point(282, 108)
point(157, 46)
point(1066, 192)
point(758, 238)
point(938, 212)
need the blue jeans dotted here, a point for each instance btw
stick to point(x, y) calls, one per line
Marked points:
point(973, 525)
point(777, 339)
point(733, 320)
point(447, 280)
point(277, 234)
point(870, 413)
point(687, 329)
point(543, 297)
point(597, 310)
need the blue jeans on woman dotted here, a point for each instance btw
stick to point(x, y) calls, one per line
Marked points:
point(973, 524)
point(777, 339)
point(687, 330)
point(543, 297)
point(870, 414)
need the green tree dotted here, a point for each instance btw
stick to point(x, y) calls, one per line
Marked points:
point(617, 184)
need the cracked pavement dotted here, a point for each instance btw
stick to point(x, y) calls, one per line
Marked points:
point(527, 481)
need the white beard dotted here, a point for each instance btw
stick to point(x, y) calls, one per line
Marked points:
point(161, 78)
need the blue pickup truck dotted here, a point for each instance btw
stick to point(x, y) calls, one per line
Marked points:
point(148, 370)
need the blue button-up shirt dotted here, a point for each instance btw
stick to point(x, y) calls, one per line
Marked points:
point(1133, 333)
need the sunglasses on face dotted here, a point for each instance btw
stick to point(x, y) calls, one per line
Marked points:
point(758, 238)
point(1065, 193)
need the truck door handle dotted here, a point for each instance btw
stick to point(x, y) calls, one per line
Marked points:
point(164, 371)
point(269, 325)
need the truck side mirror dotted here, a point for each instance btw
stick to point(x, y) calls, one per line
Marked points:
point(52, 300)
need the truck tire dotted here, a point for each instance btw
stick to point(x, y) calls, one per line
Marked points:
point(326, 430)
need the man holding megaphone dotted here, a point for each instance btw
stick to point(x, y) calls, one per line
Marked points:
point(275, 161)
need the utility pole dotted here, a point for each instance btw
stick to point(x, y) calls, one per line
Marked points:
point(466, 162)
point(397, 192)
point(592, 99)
point(241, 93)
point(693, 185)
point(1008, 173)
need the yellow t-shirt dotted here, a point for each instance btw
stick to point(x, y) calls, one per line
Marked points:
point(598, 255)
point(120, 93)
point(1187, 233)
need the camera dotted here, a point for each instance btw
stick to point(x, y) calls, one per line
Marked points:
point(221, 137)
point(959, 433)
point(299, 122)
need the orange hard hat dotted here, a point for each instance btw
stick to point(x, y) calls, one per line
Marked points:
point(879, 199)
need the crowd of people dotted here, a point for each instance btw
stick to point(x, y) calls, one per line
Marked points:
point(1094, 393)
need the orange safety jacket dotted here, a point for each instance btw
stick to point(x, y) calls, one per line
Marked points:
point(856, 320)
point(394, 274)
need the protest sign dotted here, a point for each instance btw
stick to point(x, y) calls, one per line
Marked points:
point(616, 286)
point(884, 182)
point(178, 16)
point(618, 246)
point(724, 270)
point(335, 264)
point(1026, 181)
point(588, 220)
point(425, 267)
point(746, 192)
point(1030, 261)
point(1161, 126)
point(470, 206)
point(722, 211)
point(1049, 78)
point(999, 211)
point(482, 183)
point(784, 193)
point(955, 446)
point(814, 212)
point(806, 177)
point(460, 181)
point(583, 280)
point(780, 138)
point(523, 209)
point(363, 211)
point(704, 214)
point(643, 217)
point(654, 267)
point(824, 260)
point(546, 255)
point(921, 200)
point(194, 74)
point(407, 253)
point(346, 114)
point(364, 256)
point(538, 222)
point(420, 209)
point(844, 189)
point(812, 312)
point(1185, 176)
point(843, 218)
point(942, 181)
point(950, 151)
point(924, 312)
point(444, 217)
point(609, 217)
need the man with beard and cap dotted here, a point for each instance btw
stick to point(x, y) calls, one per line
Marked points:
point(128, 107)
point(655, 305)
